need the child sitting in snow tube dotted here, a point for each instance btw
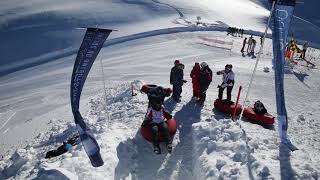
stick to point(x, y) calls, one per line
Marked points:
point(158, 126)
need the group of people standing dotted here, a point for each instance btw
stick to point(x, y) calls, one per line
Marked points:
point(251, 42)
point(201, 76)
point(235, 31)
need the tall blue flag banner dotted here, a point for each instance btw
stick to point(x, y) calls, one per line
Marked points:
point(282, 16)
point(89, 49)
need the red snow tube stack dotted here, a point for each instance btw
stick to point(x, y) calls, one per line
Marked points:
point(227, 107)
point(264, 119)
point(147, 134)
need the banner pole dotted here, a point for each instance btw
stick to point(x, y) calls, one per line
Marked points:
point(258, 59)
point(104, 86)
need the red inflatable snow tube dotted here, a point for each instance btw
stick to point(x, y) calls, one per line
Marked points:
point(147, 87)
point(147, 134)
point(264, 119)
point(227, 107)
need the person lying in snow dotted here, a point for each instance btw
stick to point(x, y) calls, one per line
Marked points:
point(67, 146)
point(156, 117)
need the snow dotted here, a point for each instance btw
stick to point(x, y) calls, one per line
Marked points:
point(35, 112)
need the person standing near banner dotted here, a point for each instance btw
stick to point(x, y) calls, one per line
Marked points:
point(227, 82)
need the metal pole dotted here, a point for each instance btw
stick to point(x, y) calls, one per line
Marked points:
point(258, 58)
point(104, 88)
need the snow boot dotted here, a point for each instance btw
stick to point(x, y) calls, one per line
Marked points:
point(169, 147)
point(156, 149)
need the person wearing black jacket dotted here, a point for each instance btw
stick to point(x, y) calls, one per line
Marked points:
point(243, 45)
point(205, 79)
point(176, 79)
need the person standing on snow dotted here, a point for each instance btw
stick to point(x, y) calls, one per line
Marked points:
point(156, 116)
point(227, 82)
point(195, 74)
point(293, 48)
point(176, 79)
point(205, 79)
point(243, 45)
point(253, 46)
point(249, 44)
point(304, 50)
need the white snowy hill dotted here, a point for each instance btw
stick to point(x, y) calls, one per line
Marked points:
point(40, 45)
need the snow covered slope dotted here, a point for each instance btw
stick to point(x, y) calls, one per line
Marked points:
point(36, 117)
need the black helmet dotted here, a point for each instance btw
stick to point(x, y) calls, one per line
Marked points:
point(168, 92)
point(156, 91)
point(228, 66)
point(159, 90)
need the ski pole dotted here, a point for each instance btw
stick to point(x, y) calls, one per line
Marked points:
point(235, 109)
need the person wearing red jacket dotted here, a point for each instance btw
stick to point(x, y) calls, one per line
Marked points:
point(195, 74)
point(156, 116)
